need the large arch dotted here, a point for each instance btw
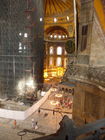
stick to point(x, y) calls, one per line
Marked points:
point(56, 29)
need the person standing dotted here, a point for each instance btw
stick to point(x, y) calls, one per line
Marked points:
point(36, 125)
point(33, 124)
point(15, 123)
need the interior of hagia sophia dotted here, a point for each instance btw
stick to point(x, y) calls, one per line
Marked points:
point(63, 23)
point(58, 62)
point(58, 28)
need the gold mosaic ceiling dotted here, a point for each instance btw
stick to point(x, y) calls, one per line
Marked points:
point(63, 11)
point(54, 7)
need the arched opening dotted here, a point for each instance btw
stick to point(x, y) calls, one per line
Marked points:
point(56, 56)
point(56, 33)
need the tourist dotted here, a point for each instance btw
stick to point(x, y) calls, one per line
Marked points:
point(53, 112)
point(15, 123)
point(39, 111)
point(33, 124)
point(36, 126)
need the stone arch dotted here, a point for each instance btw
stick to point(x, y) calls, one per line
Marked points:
point(56, 28)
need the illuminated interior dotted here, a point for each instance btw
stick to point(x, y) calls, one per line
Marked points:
point(55, 61)
point(56, 56)
point(59, 27)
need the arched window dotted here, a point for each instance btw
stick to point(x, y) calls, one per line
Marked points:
point(51, 61)
point(59, 50)
point(51, 51)
point(59, 61)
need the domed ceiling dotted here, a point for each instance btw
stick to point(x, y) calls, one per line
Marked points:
point(57, 33)
point(63, 12)
point(54, 7)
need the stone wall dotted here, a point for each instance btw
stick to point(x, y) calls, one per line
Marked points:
point(90, 63)
point(97, 56)
point(88, 69)
point(88, 103)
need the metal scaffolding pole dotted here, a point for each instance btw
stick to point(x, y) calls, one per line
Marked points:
point(15, 52)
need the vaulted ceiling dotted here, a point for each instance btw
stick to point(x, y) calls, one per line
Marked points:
point(63, 11)
point(55, 7)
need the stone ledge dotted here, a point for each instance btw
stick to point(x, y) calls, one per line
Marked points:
point(91, 74)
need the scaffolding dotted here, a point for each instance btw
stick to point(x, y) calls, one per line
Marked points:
point(15, 45)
